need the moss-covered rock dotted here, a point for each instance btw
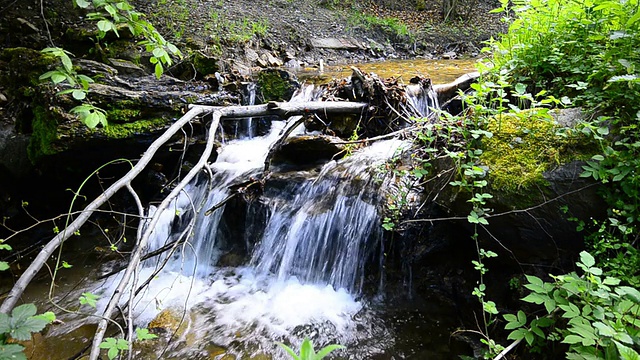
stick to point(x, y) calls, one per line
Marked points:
point(276, 85)
point(131, 129)
point(203, 64)
point(525, 145)
point(21, 67)
point(45, 132)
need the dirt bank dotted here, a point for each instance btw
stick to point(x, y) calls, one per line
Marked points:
point(247, 33)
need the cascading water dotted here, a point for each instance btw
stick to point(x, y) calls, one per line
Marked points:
point(251, 100)
point(307, 260)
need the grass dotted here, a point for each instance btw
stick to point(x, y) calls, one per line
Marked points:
point(235, 31)
point(387, 24)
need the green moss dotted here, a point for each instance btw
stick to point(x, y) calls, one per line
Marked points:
point(122, 115)
point(127, 130)
point(24, 67)
point(525, 145)
point(45, 132)
point(204, 65)
point(274, 85)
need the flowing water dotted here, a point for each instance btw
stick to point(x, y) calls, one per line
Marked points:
point(311, 259)
point(439, 71)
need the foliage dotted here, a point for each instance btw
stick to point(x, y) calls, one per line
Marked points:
point(3, 264)
point(583, 49)
point(116, 346)
point(109, 15)
point(594, 315)
point(587, 50)
point(22, 322)
point(308, 353)
point(391, 25)
point(234, 31)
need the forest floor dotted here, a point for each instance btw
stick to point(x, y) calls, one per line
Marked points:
point(241, 32)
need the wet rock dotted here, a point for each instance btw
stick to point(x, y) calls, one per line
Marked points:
point(168, 321)
point(568, 117)
point(3, 99)
point(274, 61)
point(335, 44)
point(292, 64)
point(450, 55)
point(252, 55)
point(127, 67)
point(231, 260)
point(308, 150)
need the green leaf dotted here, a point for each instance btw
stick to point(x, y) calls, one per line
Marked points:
point(626, 353)
point(47, 75)
point(611, 281)
point(158, 70)
point(5, 323)
point(79, 94)
point(91, 120)
point(490, 307)
point(535, 298)
point(159, 53)
point(326, 350)
point(143, 334)
point(604, 329)
point(66, 62)
point(629, 292)
point(587, 259)
point(289, 351)
point(528, 336)
point(572, 339)
point(4, 265)
point(517, 334)
point(23, 329)
point(549, 305)
point(12, 351)
point(23, 312)
point(49, 317)
point(112, 353)
point(83, 4)
point(306, 349)
point(88, 298)
point(58, 77)
point(105, 25)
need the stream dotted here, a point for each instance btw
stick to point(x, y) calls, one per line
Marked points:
point(305, 259)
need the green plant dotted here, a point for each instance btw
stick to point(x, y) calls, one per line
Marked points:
point(22, 322)
point(109, 15)
point(308, 353)
point(595, 316)
point(3, 264)
point(115, 346)
point(390, 25)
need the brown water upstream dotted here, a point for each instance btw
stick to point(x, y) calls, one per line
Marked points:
point(439, 71)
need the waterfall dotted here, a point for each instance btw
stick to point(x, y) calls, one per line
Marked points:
point(308, 258)
point(251, 100)
point(423, 99)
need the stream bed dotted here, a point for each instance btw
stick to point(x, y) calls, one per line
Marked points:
point(310, 261)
